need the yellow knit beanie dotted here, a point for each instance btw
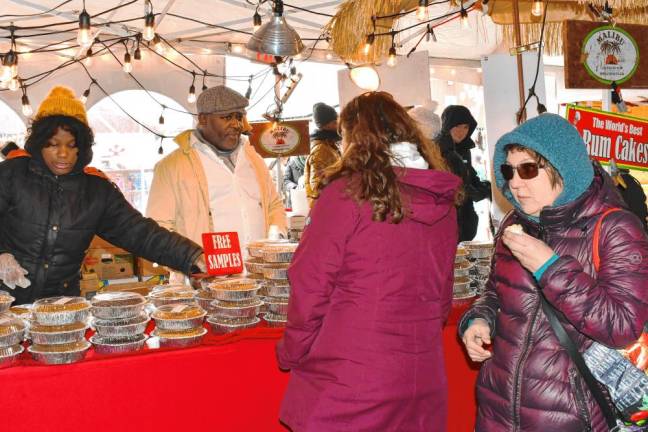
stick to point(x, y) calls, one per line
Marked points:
point(62, 101)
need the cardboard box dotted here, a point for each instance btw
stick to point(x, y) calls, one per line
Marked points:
point(109, 263)
point(99, 243)
point(146, 269)
point(91, 286)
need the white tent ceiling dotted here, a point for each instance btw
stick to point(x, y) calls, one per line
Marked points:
point(202, 30)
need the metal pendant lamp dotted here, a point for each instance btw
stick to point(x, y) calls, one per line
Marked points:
point(276, 37)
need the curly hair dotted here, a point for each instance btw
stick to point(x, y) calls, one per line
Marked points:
point(44, 128)
point(371, 122)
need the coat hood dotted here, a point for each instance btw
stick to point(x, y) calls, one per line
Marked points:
point(455, 115)
point(326, 135)
point(428, 195)
point(557, 141)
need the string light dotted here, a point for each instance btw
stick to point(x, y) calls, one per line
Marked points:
point(26, 106)
point(422, 10)
point(14, 84)
point(161, 149)
point(137, 54)
point(256, 20)
point(158, 45)
point(149, 23)
point(392, 59)
point(84, 37)
point(161, 119)
point(248, 92)
point(204, 85)
point(465, 24)
point(191, 98)
point(9, 66)
point(84, 97)
point(537, 8)
point(430, 34)
point(127, 66)
point(369, 43)
point(88, 58)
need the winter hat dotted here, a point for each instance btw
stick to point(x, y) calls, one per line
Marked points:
point(556, 140)
point(221, 100)
point(62, 101)
point(455, 115)
point(323, 114)
point(428, 122)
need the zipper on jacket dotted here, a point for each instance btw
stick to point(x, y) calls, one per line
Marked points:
point(579, 396)
point(517, 382)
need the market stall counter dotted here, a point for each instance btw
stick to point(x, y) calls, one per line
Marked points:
point(227, 383)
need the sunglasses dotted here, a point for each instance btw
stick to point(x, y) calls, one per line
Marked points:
point(526, 170)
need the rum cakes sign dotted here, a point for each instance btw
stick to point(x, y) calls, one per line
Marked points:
point(610, 55)
point(597, 56)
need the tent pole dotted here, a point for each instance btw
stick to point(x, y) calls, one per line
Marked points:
point(520, 68)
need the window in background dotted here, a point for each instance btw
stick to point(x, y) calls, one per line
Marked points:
point(125, 150)
point(13, 126)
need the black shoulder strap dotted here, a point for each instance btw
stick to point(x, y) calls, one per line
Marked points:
point(577, 358)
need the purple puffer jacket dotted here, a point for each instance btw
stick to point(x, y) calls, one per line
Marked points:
point(530, 383)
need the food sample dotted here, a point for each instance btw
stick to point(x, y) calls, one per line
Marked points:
point(515, 229)
point(60, 348)
point(177, 312)
point(5, 301)
point(113, 299)
point(60, 304)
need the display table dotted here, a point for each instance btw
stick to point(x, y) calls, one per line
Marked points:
point(228, 383)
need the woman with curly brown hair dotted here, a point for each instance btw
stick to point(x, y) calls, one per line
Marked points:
point(372, 283)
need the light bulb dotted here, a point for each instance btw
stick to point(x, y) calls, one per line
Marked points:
point(422, 10)
point(256, 20)
point(392, 60)
point(465, 24)
point(191, 98)
point(137, 55)
point(368, 44)
point(26, 106)
point(365, 77)
point(14, 85)
point(237, 49)
point(6, 75)
point(158, 45)
point(149, 27)
point(127, 66)
point(84, 37)
point(537, 8)
point(329, 56)
point(84, 98)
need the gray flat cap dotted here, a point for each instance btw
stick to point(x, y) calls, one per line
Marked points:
point(221, 100)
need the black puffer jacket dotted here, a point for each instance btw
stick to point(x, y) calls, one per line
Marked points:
point(47, 223)
point(460, 161)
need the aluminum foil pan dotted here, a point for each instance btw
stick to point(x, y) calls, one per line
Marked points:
point(255, 249)
point(462, 268)
point(223, 328)
point(23, 310)
point(478, 249)
point(113, 305)
point(277, 271)
point(274, 320)
point(248, 309)
point(255, 266)
point(461, 254)
point(279, 290)
point(234, 289)
point(9, 355)
point(61, 310)
point(12, 330)
point(279, 254)
point(277, 306)
point(205, 298)
point(180, 339)
point(122, 327)
point(168, 294)
point(234, 321)
point(59, 354)
point(178, 316)
point(461, 286)
point(5, 301)
point(58, 334)
point(118, 345)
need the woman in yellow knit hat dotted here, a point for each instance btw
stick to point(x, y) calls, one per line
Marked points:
point(52, 204)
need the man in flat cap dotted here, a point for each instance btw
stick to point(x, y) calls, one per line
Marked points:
point(215, 181)
point(324, 149)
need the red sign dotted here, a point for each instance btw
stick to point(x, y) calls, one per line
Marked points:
point(222, 253)
point(612, 136)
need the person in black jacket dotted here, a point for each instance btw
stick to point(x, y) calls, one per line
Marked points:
point(631, 191)
point(457, 125)
point(52, 204)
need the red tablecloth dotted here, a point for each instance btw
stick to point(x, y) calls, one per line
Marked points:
point(229, 383)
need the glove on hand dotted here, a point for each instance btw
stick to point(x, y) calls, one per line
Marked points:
point(11, 273)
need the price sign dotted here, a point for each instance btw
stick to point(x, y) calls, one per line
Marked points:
point(222, 253)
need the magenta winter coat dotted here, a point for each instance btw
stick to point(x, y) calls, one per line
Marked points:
point(530, 383)
point(368, 303)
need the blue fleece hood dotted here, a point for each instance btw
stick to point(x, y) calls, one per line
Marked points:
point(557, 141)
